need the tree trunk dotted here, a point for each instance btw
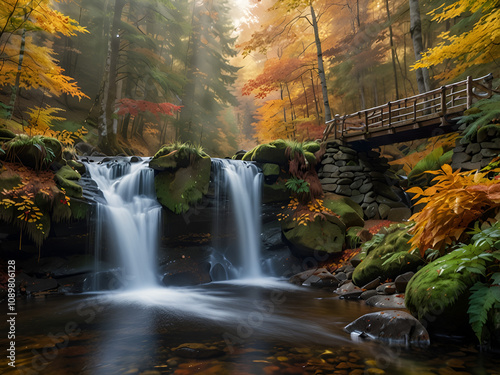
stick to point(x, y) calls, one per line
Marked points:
point(108, 123)
point(15, 88)
point(305, 96)
point(393, 50)
point(423, 79)
point(321, 68)
point(315, 98)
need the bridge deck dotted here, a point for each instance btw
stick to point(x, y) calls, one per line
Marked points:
point(420, 116)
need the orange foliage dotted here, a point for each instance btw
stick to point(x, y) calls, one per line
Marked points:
point(454, 201)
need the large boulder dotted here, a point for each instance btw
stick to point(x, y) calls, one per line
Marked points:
point(183, 178)
point(273, 152)
point(387, 256)
point(309, 238)
point(36, 152)
point(349, 211)
point(394, 327)
point(438, 295)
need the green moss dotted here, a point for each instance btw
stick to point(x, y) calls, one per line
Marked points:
point(321, 235)
point(65, 179)
point(78, 209)
point(176, 155)
point(182, 189)
point(9, 180)
point(311, 147)
point(387, 256)
point(269, 169)
point(350, 212)
point(36, 152)
point(273, 152)
point(430, 292)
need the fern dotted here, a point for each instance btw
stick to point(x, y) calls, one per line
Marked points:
point(482, 113)
point(297, 185)
point(483, 298)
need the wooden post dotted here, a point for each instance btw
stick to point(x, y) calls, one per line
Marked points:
point(443, 100)
point(390, 114)
point(366, 121)
point(415, 110)
point(469, 91)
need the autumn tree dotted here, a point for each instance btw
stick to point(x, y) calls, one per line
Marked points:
point(460, 50)
point(30, 64)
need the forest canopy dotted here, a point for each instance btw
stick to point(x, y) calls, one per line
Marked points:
point(227, 74)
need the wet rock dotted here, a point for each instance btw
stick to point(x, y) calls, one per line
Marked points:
point(313, 275)
point(368, 294)
point(387, 288)
point(372, 284)
point(197, 351)
point(391, 326)
point(402, 281)
point(395, 301)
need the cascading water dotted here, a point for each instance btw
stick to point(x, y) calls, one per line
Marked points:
point(243, 180)
point(129, 221)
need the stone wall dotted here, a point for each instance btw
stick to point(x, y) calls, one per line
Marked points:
point(363, 177)
point(475, 155)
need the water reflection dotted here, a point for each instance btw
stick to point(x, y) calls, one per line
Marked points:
point(267, 327)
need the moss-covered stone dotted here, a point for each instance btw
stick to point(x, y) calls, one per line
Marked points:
point(319, 236)
point(65, 178)
point(387, 256)
point(36, 152)
point(350, 212)
point(273, 152)
point(276, 192)
point(311, 147)
point(6, 134)
point(270, 169)
point(9, 179)
point(77, 166)
point(181, 189)
point(432, 292)
point(175, 156)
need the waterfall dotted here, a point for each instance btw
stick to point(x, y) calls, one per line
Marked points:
point(243, 180)
point(129, 222)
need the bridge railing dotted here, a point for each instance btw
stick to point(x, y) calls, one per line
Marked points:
point(446, 100)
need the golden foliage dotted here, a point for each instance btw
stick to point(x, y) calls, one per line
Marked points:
point(41, 121)
point(454, 201)
point(305, 213)
point(477, 46)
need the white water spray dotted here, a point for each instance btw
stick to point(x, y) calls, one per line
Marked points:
point(130, 220)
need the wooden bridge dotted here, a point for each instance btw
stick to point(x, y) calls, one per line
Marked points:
point(425, 115)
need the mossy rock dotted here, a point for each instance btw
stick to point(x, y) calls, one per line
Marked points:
point(311, 147)
point(65, 179)
point(175, 156)
point(270, 169)
point(77, 166)
point(55, 146)
point(349, 211)
point(317, 237)
point(432, 292)
point(273, 152)
point(9, 180)
point(6, 134)
point(393, 245)
point(29, 151)
point(183, 188)
point(276, 192)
